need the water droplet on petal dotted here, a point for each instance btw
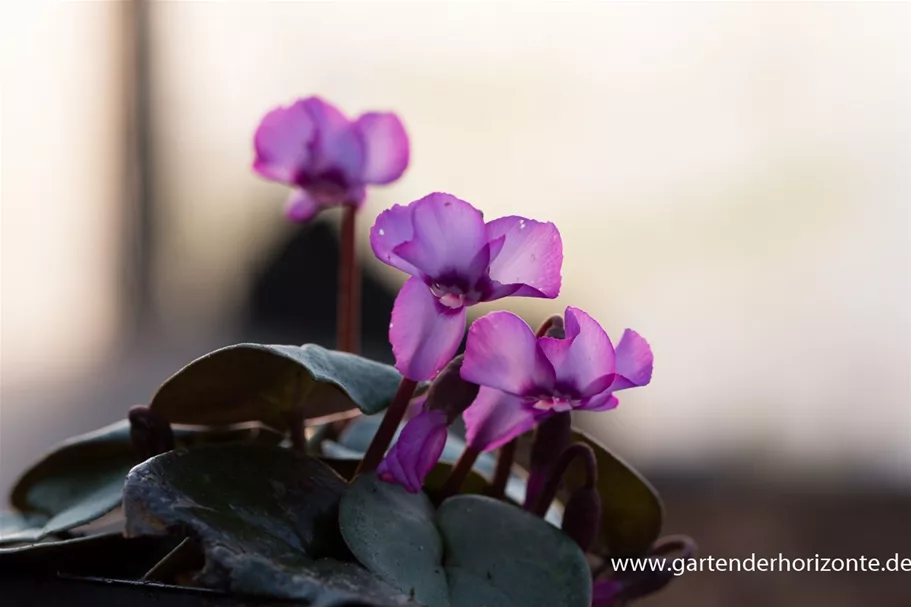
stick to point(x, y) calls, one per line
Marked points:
point(382, 232)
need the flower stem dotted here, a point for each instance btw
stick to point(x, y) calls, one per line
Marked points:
point(459, 473)
point(349, 285)
point(549, 492)
point(388, 426)
point(504, 468)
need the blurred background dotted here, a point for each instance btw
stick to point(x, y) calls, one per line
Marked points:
point(731, 180)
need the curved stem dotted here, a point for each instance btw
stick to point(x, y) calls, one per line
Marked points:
point(349, 285)
point(504, 468)
point(388, 426)
point(549, 492)
point(459, 473)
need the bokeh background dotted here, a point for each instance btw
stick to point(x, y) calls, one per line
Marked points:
point(732, 180)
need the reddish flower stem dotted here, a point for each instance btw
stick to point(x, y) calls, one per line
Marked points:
point(549, 492)
point(349, 285)
point(504, 468)
point(388, 426)
point(459, 473)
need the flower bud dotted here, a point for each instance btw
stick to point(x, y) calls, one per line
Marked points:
point(150, 433)
point(416, 452)
point(450, 393)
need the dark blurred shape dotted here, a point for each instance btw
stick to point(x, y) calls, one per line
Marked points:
point(150, 433)
point(293, 296)
point(450, 393)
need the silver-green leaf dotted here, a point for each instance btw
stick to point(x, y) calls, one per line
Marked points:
point(272, 384)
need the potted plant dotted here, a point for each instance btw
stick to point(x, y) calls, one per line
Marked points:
point(263, 473)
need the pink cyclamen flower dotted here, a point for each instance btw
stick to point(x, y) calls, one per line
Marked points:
point(525, 379)
point(328, 160)
point(457, 260)
point(416, 452)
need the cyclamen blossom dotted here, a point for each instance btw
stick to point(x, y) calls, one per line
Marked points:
point(457, 260)
point(328, 159)
point(525, 379)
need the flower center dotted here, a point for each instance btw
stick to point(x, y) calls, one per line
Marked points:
point(454, 294)
point(558, 404)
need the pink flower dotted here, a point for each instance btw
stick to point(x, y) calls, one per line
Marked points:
point(525, 379)
point(325, 157)
point(457, 260)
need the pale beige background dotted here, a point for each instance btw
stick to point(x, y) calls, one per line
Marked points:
point(732, 180)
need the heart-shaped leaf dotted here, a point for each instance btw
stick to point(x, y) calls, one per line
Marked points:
point(495, 549)
point(265, 517)
point(631, 511)
point(82, 478)
point(473, 551)
point(393, 534)
point(255, 382)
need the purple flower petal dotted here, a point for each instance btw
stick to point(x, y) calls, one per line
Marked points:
point(495, 418)
point(449, 238)
point(338, 152)
point(502, 352)
point(301, 206)
point(416, 452)
point(584, 361)
point(283, 142)
point(605, 592)
point(529, 258)
point(385, 144)
point(424, 333)
point(599, 402)
point(393, 227)
point(634, 362)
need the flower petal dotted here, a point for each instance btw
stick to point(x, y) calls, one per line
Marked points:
point(634, 362)
point(448, 238)
point(502, 353)
point(425, 334)
point(385, 144)
point(605, 592)
point(495, 418)
point(599, 402)
point(338, 152)
point(282, 143)
point(416, 452)
point(584, 361)
point(300, 206)
point(392, 228)
point(530, 258)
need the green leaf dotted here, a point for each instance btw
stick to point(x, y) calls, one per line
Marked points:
point(100, 555)
point(497, 549)
point(631, 511)
point(267, 519)
point(82, 478)
point(254, 382)
point(473, 551)
point(19, 527)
